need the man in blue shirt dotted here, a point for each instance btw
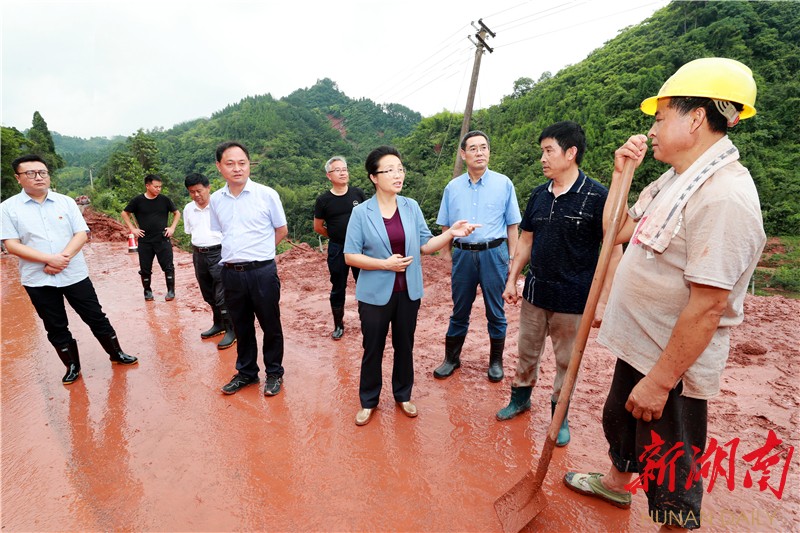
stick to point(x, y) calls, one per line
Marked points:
point(484, 197)
point(47, 231)
point(562, 231)
point(252, 222)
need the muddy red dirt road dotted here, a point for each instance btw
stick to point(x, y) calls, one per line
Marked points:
point(157, 447)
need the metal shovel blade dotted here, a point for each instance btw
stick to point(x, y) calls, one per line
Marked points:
point(517, 507)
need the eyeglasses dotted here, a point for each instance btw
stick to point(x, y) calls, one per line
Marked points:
point(400, 171)
point(342, 170)
point(476, 149)
point(31, 174)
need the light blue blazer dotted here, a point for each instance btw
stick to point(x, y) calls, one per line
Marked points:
point(366, 234)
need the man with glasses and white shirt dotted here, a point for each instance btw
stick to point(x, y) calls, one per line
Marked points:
point(47, 231)
point(331, 215)
point(480, 196)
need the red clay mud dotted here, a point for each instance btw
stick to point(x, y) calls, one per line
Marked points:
point(157, 447)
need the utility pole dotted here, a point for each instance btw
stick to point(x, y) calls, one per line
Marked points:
point(480, 46)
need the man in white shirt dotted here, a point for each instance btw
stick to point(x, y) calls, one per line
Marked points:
point(206, 257)
point(47, 231)
point(251, 219)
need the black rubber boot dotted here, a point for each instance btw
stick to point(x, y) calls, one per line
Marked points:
point(148, 291)
point(563, 431)
point(217, 329)
point(520, 402)
point(71, 359)
point(230, 335)
point(170, 287)
point(452, 357)
point(338, 323)
point(110, 344)
point(496, 347)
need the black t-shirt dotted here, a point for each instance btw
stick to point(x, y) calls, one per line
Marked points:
point(151, 215)
point(335, 211)
point(567, 234)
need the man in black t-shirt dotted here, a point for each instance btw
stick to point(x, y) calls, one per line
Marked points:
point(331, 215)
point(152, 210)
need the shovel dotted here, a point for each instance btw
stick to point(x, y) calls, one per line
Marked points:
point(517, 507)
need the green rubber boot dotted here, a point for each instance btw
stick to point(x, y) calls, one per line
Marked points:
point(520, 402)
point(563, 432)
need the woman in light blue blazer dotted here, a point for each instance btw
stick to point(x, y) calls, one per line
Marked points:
point(385, 237)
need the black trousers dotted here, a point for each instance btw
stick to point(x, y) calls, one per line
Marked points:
point(249, 295)
point(339, 271)
point(160, 249)
point(208, 271)
point(684, 420)
point(49, 305)
point(401, 313)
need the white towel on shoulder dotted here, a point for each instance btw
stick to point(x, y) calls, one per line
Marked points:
point(658, 227)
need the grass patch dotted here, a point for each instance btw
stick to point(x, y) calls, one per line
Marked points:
point(778, 270)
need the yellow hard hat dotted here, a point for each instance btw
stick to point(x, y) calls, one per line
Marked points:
point(718, 78)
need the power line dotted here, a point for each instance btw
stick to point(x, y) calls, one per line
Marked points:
point(545, 12)
point(577, 24)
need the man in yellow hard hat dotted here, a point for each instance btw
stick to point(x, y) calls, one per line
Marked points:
point(695, 236)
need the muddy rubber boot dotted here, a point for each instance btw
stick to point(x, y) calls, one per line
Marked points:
point(338, 323)
point(496, 347)
point(170, 287)
point(217, 329)
point(452, 357)
point(520, 402)
point(563, 431)
point(110, 344)
point(71, 359)
point(230, 335)
point(148, 291)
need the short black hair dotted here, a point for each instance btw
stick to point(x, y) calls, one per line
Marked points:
point(716, 120)
point(230, 144)
point(29, 158)
point(374, 157)
point(195, 178)
point(567, 134)
point(474, 133)
point(150, 178)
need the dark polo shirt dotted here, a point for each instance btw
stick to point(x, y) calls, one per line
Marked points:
point(567, 234)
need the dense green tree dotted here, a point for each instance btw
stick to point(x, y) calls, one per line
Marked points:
point(13, 144)
point(41, 143)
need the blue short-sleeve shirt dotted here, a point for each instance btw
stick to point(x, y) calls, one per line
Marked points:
point(47, 227)
point(491, 202)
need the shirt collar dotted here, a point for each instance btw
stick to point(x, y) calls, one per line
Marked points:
point(29, 199)
point(575, 187)
point(247, 187)
point(480, 181)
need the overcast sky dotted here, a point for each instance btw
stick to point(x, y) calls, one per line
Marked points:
point(104, 68)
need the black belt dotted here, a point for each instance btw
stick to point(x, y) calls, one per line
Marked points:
point(251, 265)
point(478, 246)
point(206, 249)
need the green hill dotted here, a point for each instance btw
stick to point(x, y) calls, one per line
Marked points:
point(291, 138)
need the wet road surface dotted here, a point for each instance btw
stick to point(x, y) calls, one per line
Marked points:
point(157, 447)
